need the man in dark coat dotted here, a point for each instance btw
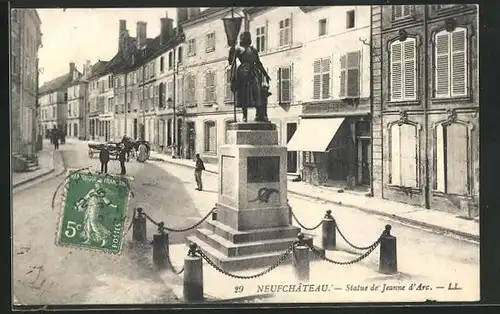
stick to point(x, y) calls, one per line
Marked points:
point(197, 172)
point(55, 138)
point(104, 159)
point(122, 156)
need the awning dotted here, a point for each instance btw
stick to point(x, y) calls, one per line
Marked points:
point(314, 135)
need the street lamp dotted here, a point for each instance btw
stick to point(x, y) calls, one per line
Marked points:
point(232, 26)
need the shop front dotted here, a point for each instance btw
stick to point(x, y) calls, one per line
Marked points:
point(336, 151)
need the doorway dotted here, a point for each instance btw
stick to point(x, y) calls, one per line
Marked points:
point(191, 139)
point(364, 160)
point(292, 156)
point(134, 129)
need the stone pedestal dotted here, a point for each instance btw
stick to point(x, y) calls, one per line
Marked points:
point(252, 227)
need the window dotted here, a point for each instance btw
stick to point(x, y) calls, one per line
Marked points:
point(150, 92)
point(146, 71)
point(322, 27)
point(69, 110)
point(321, 80)
point(152, 68)
point(110, 104)
point(162, 64)
point(228, 94)
point(350, 19)
point(179, 55)
point(444, 6)
point(191, 89)
point(170, 60)
point(284, 84)
point(162, 95)
point(170, 88)
point(53, 112)
point(192, 47)
point(403, 150)
point(227, 124)
point(451, 64)
point(401, 11)
point(210, 137)
point(65, 96)
point(349, 74)
point(260, 38)
point(452, 159)
point(209, 86)
point(210, 42)
point(285, 32)
point(169, 132)
point(403, 67)
point(14, 14)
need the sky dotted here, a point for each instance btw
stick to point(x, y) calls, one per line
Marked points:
point(76, 35)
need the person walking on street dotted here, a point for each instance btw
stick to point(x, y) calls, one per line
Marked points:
point(122, 156)
point(55, 138)
point(197, 172)
point(104, 159)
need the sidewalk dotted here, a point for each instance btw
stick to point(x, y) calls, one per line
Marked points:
point(47, 166)
point(436, 221)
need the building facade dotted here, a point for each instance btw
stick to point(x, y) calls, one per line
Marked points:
point(26, 39)
point(76, 121)
point(95, 99)
point(53, 99)
point(426, 106)
point(334, 92)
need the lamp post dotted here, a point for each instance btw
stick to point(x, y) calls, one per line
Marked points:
point(232, 26)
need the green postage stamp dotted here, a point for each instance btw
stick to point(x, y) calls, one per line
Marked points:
point(94, 212)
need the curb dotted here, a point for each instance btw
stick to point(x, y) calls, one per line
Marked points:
point(18, 184)
point(412, 222)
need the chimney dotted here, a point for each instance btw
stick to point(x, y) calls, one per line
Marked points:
point(193, 12)
point(166, 31)
point(182, 15)
point(71, 69)
point(141, 34)
point(121, 34)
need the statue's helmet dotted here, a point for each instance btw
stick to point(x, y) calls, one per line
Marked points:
point(245, 38)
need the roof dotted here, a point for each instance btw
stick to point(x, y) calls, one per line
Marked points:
point(55, 84)
point(204, 14)
point(98, 68)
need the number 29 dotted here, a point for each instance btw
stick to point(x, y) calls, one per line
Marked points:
point(238, 289)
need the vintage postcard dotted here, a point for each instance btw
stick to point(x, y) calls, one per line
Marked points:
point(298, 154)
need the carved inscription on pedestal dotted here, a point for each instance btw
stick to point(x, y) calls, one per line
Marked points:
point(263, 169)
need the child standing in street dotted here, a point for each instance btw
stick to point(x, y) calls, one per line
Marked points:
point(197, 172)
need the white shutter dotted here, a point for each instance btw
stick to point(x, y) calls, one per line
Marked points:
point(459, 62)
point(410, 87)
point(442, 65)
point(440, 175)
point(291, 29)
point(207, 89)
point(343, 74)
point(396, 71)
point(285, 84)
point(408, 156)
point(395, 155)
point(317, 79)
point(353, 69)
point(325, 78)
point(457, 159)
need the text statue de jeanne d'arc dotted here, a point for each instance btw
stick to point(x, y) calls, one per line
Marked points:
point(93, 212)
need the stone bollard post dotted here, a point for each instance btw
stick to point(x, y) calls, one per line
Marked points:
point(193, 275)
point(329, 238)
point(301, 259)
point(214, 214)
point(388, 255)
point(160, 247)
point(139, 226)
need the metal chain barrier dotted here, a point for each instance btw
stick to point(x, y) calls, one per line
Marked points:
point(181, 230)
point(356, 260)
point(354, 246)
point(301, 225)
point(169, 261)
point(262, 273)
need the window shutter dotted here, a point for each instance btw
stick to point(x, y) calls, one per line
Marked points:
point(353, 66)
point(266, 40)
point(442, 65)
point(409, 69)
point(406, 10)
point(395, 155)
point(285, 84)
point(207, 96)
point(291, 29)
point(214, 95)
point(457, 164)
point(408, 153)
point(396, 71)
point(280, 27)
point(290, 83)
point(317, 79)
point(278, 74)
point(459, 62)
point(343, 65)
point(325, 78)
point(440, 159)
point(397, 11)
